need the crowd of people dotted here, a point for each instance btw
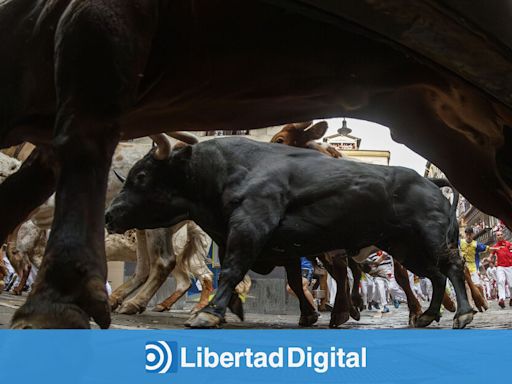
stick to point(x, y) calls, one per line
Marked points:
point(490, 268)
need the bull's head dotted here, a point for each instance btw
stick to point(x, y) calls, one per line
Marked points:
point(154, 194)
point(299, 134)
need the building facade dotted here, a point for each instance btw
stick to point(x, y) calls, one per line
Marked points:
point(484, 226)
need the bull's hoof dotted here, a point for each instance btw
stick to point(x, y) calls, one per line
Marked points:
point(131, 308)
point(190, 319)
point(338, 318)
point(114, 302)
point(49, 310)
point(159, 308)
point(481, 307)
point(204, 320)
point(354, 313)
point(308, 320)
point(460, 321)
point(413, 319)
point(426, 319)
point(197, 308)
point(357, 301)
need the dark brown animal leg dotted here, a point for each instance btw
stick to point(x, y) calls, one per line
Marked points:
point(98, 56)
point(308, 315)
point(357, 300)
point(438, 289)
point(402, 278)
point(337, 268)
point(70, 286)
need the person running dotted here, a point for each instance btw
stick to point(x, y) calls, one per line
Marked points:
point(382, 267)
point(307, 269)
point(470, 250)
point(502, 251)
point(493, 279)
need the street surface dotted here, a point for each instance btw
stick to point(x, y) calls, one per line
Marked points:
point(494, 318)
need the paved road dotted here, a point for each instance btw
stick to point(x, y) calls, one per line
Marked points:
point(494, 318)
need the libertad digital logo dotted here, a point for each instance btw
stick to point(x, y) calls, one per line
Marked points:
point(163, 357)
point(159, 357)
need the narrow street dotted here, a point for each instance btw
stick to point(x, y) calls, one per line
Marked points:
point(494, 318)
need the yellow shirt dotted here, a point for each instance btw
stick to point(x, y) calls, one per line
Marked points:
point(470, 252)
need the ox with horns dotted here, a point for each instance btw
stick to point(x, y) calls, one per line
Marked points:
point(268, 204)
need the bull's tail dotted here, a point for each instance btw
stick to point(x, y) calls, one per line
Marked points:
point(453, 231)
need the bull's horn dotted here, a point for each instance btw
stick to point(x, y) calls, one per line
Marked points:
point(186, 137)
point(121, 178)
point(163, 146)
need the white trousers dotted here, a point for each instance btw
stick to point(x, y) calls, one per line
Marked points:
point(367, 289)
point(381, 287)
point(504, 275)
point(396, 291)
point(331, 284)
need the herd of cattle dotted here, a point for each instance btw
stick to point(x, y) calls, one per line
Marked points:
point(299, 204)
point(78, 76)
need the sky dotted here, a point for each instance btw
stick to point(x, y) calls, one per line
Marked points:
point(377, 137)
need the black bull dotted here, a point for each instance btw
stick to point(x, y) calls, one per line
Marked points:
point(268, 204)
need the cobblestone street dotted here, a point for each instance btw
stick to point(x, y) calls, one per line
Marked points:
point(494, 318)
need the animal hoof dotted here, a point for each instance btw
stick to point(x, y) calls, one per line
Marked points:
point(197, 308)
point(159, 308)
point(204, 320)
point(357, 302)
point(354, 313)
point(460, 322)
point(338, 318)
point(129, 308)
point(308, 320)
point(114, 302)
point(413, 319)
point(425, 320)
point(49, 310)
point(190, 319)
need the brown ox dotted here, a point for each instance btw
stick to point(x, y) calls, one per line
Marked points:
point(78, 75)
point(304, 135)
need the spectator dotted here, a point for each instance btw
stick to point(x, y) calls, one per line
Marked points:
point(502, 251)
